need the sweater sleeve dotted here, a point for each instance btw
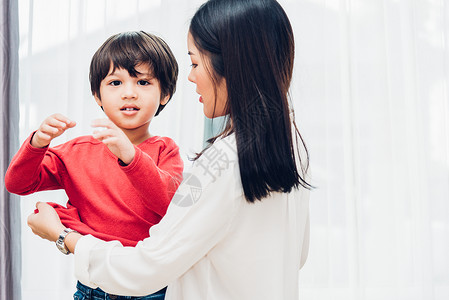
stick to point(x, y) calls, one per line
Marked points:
point(36, 169)
point(189, 230)
point(33, 169)
point(69, 216)
point(156, 181)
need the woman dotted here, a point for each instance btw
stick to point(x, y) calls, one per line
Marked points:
point(238, 226)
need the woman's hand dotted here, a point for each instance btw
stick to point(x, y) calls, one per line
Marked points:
point(46, 222)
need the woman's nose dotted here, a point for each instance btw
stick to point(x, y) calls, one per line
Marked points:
point(191, 78)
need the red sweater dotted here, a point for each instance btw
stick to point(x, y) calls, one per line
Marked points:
point(107, 200)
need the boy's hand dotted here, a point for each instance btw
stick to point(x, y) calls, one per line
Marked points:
point(52, 127)
point(115, 139)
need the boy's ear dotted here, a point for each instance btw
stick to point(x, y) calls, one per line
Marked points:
point(165, 100)
point(98, 100)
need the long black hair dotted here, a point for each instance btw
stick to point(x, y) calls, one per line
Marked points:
point(250, 44)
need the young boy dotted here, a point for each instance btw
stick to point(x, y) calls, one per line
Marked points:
point(120, 180)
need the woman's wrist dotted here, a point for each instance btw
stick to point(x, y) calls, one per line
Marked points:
point(70, 241)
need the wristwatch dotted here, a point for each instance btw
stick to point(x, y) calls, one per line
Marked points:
point(60, 241)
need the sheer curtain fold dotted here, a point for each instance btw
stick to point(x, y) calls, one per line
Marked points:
point(10, 253)
point(370, 91)
point(374, 74)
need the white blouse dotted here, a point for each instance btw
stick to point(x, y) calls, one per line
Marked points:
point(211, 244)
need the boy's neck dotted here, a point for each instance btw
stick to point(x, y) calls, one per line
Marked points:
point(137, 136)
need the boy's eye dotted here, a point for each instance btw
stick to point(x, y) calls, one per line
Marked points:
point(115, 82)
point(143, 82)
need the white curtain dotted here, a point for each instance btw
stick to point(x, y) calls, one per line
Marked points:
point(371, 97)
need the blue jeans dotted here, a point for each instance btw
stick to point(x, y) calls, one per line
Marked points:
point(86, 293)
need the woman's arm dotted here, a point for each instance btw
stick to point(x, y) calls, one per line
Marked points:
point(183, 237)
point(185, 234)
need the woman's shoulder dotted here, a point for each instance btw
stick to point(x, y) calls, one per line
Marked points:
point(217, 161)
point(222, 152)
point(227, 144)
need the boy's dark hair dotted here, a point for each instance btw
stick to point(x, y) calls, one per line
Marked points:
point(127, 50)
point(250, 44)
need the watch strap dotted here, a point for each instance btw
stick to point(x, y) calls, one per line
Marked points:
point(60, 241)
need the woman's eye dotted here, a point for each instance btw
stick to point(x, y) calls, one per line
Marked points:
point(194, 65)
point(143, 82)
point(115, 82)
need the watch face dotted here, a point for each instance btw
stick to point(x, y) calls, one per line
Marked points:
point(60, 245)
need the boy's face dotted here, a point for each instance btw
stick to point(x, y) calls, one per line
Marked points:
point(130, 102)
